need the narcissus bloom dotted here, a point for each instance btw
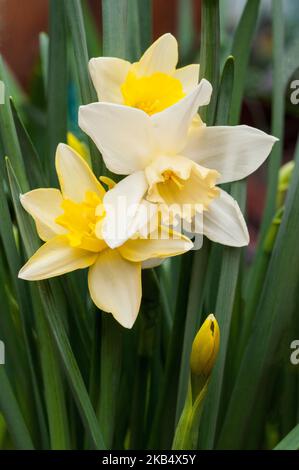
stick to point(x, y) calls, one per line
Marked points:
point(175, 161)
point(69, 222)
point(152, 84)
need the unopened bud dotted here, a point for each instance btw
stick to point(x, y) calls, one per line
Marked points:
point(284, 178)
point(205, 348)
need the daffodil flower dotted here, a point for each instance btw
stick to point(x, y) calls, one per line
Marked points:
point(69, 222)
point(152, 84)
point(173, 159)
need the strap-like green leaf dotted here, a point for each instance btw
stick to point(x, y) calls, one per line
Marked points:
point(276, 306)
point(56, 325)
point(10, 409)
point(290, 441)
point(56, 84)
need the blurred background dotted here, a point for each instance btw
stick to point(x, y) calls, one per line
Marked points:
point(22, 22)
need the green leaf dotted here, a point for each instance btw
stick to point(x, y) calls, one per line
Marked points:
point(277, 126)
point(186, 30)
point(8, 132)
point(75, 21)
point(111, 362)
point(53, 316)
point(76, 28)
point(240, 51)
point(195, 302)
point(55, 400)
point(53, 381)
point(72, 371)
point(10, 409)
point(23, 299)
point(276, 306)
point(56, 84)
point(145, 11)
point(291, 61)
point(13, 86)
point(44, 57)
point(290, 441)
point(224, 98)
point(224, 308)
point(228, 278)
point(209, 52)
point(93, 39)
point(255, 278)
point(164, 423)
point(115, 19)
point(34, 170)
point(133, 32)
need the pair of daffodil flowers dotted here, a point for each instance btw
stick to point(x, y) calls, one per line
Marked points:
point(147, 127)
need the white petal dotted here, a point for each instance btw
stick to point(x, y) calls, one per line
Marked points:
point(121, 205)
point(172, 124)
point(75, 176)
point(188, 76)
point(108, 74)
point(44, 205)
point(123, 135)
point(115, 286)
point(162, 244)
point(152, 263)
point(235, 152)
point(224, 223)
point(161, 56)
point(54, 258)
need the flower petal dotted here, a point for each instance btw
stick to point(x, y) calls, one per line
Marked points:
point(172, 124)
point(224, 223)
point(160, 244)
point(44, 205)
point(108, 74)
point(121, 205)
point(235, 152)
point(54, 258)
point(190, 187)
point(75, 176)
point(161, 56)
point(152, 263)
point(123, 135)
point(115, 286)
point(188, 76)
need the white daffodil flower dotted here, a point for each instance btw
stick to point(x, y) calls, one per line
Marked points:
point(152, 84)
point(69, 223)
point(174, 160)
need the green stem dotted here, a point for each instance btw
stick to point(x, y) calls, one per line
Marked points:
point(195, 301)
point(164, 423)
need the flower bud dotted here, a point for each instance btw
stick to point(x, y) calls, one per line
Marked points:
point(284, 178)
point(205, 348)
